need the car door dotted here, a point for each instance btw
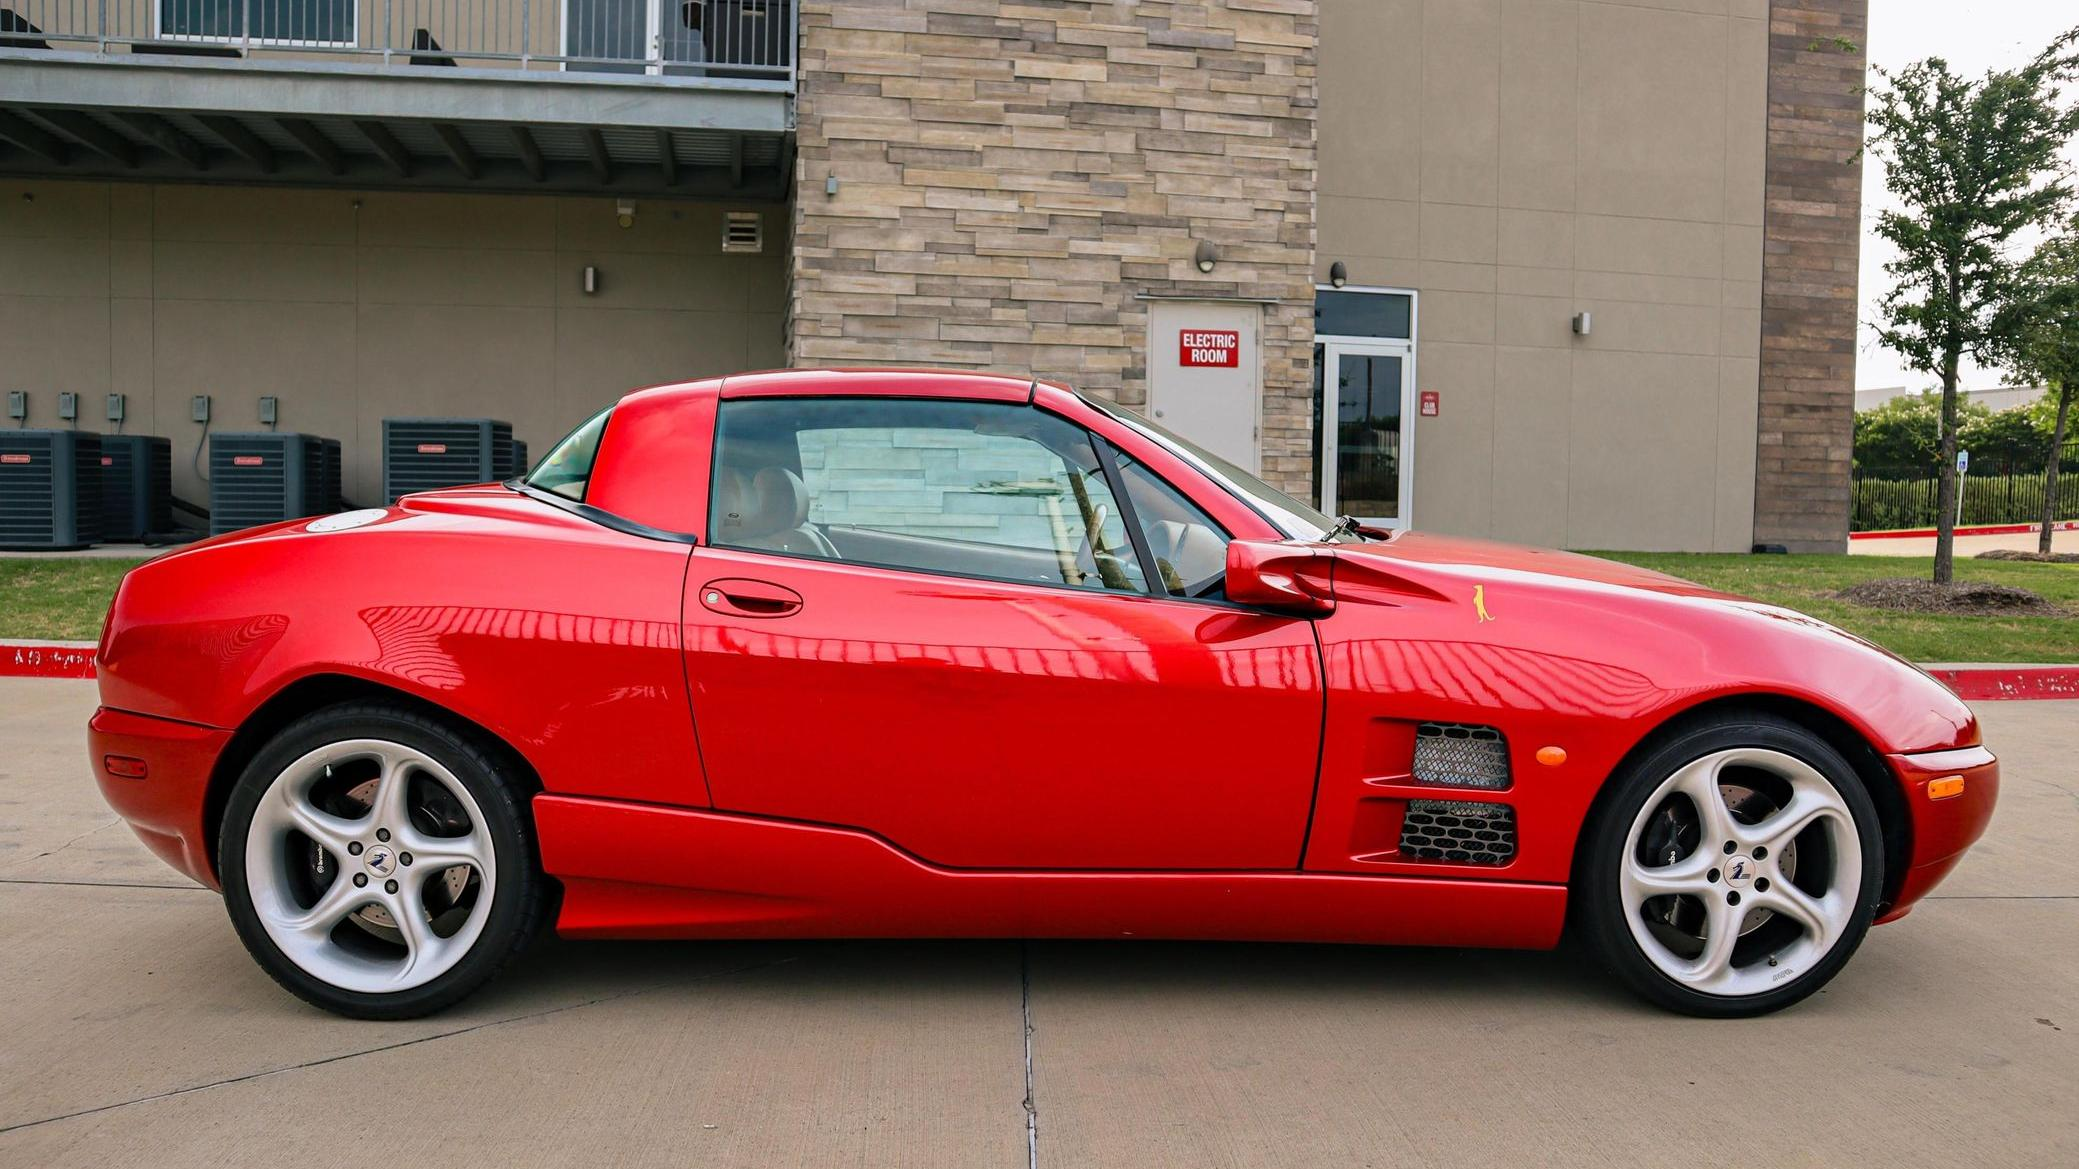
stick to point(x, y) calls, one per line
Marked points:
point(928, 619)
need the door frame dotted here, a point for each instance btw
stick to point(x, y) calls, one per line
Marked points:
point(1333, 349)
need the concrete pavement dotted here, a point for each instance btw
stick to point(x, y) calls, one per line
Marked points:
point(137, 1030)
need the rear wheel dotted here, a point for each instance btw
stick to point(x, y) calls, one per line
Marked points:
point(1733, 870)
point(379, 863)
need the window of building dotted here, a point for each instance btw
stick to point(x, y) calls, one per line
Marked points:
point(1354, 313)
point(273, 22)
point(970, 488)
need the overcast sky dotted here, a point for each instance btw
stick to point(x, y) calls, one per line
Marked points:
point(1973, 37)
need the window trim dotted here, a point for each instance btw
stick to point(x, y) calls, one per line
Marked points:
point(1101, 446)
point(600, 515)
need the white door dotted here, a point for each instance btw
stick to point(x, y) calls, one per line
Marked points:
point(1367, 430)
point(1205, 375)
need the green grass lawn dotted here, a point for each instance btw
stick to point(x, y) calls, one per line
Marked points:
point(1805, 583)
point(63, 600)
point(57, 600)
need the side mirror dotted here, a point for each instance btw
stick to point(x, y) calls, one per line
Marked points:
point(1285, 577)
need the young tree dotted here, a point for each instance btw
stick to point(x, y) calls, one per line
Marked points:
point(2046, 348)
point(1973, 164)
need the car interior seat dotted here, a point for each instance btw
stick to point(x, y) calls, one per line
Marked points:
point(768, 510)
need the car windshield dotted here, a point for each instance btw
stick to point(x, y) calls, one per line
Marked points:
point(1295, 519)
point(567, 470)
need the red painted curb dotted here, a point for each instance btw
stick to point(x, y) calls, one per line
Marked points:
point(1980, 530)
point(46, 659)
point(2022, 682)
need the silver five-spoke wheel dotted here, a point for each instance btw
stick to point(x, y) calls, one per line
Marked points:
point(1733, 866)
point(370, 866)
point(1741, 870)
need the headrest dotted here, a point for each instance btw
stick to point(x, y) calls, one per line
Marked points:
point(770, 501)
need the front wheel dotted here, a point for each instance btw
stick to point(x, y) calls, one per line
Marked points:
point(1733, 870)
point(379, 863)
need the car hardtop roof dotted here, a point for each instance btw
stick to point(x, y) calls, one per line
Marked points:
point(857, 382)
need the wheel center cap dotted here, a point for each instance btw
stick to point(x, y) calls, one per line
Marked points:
point(380, 860)
point(1739, 870)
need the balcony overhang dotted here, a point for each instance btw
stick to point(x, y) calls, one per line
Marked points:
point(181, 119)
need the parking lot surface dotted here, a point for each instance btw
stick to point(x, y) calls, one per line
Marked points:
point(137, 1031)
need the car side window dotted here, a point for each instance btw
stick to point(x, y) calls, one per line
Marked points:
point(1189, 547)
point(970, 488)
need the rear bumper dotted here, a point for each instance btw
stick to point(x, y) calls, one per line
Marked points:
point(165, 805)
point(1943, 829)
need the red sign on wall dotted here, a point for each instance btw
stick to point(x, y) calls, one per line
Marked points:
point(1429, 404)
point(1199, 348)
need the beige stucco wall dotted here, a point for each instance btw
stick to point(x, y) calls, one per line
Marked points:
point(1517, 162)
point(351, 306)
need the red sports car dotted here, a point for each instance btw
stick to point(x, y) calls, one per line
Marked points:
point(930, 654)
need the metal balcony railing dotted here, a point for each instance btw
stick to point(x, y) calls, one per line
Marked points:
point(660, 41)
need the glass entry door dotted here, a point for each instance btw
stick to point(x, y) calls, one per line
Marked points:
point(1367, 430)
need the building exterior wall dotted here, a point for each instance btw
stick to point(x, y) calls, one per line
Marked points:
point(1817, 66)
point(353, 306)
point(1013, 179)
point(1520, 161)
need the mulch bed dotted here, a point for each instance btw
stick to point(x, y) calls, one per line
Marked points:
point(2036, 557)
point(1960, 598)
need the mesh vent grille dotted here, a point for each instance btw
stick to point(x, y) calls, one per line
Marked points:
point(1461, 755)
point(1447, 830)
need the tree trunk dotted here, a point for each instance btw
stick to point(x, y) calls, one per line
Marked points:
point(1945, 492)
point(2050, 475)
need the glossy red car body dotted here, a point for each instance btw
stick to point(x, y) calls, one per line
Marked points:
point(908, 754)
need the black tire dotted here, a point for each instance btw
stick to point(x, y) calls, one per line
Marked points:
point(520, 901)
point(1601, 917)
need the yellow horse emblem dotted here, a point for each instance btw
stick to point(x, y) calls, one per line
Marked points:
point(1480, 604)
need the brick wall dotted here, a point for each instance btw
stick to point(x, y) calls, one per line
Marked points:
point(1811, 233)
point(1014, 177)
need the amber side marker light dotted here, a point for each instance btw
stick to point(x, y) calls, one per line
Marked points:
point(123, 766)
point(1552, 756)
point(1945, 787)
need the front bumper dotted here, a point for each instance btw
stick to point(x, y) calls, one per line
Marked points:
point(165, 804)
point(1943, 828)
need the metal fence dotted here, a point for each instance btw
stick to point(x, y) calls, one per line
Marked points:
point(1994, 492)
point(665, 40)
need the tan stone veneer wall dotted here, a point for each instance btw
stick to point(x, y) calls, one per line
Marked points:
point(1812, 233)
point(1014, 177)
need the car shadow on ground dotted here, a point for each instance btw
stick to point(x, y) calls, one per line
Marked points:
point(830, 970)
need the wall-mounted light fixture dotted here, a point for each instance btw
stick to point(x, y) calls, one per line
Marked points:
point(624, 212)
point(1582, 323)
point(1207, 255)
point(1338, 275)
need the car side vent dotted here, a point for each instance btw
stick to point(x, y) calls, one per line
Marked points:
point(1448, 830)
point(1461, 755)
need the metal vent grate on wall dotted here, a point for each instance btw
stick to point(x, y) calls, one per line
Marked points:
point(743, 231)
point(1470, 833)
point(1461, 755)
